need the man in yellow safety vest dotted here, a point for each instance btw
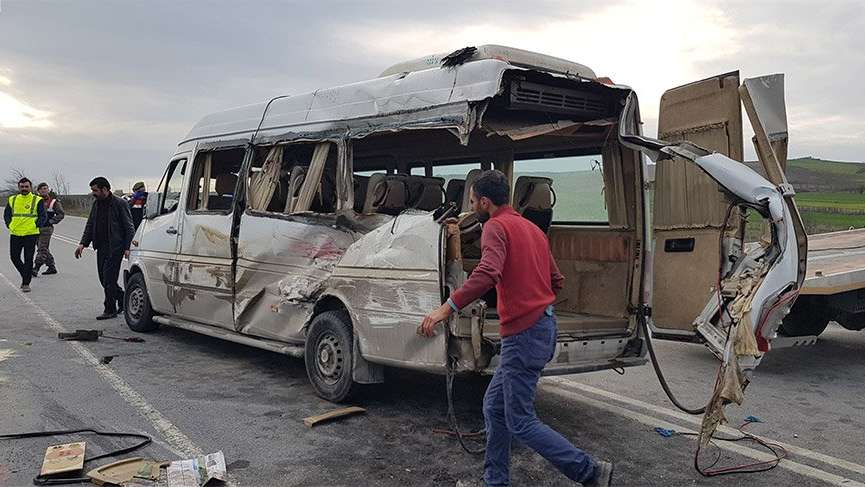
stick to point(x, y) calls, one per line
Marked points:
point(24, 215)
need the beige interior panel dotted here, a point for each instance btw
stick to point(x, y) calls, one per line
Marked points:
point(694, 274)
point(707, 113)
point(596, 266)
point(685, 197)
point(688, 203)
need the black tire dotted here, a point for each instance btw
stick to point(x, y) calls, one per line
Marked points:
point(809, 316)
point(329, 348)
point(136, 306)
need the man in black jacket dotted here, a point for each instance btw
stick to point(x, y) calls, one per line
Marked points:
point(109, 228)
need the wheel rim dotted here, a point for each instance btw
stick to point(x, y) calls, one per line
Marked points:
point(135, 303)
point(329, 358)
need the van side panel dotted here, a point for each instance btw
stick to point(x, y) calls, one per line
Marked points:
point(390, 279)
point(282, 265)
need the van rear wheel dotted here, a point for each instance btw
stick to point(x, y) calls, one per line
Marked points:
point(329, 359)
point(136, 305)
point(809, 316)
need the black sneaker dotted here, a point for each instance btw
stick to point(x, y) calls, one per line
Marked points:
point(49, 271)
point(603, 475)
point(34, 273)
point(107, 315)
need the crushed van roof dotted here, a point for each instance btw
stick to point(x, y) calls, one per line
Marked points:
point(445, 92)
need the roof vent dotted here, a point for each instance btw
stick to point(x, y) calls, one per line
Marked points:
point(525, 95)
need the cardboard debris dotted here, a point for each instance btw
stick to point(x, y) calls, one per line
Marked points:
point(65, 458)
point(197, 471)
point(124, 471)
point(331, 415)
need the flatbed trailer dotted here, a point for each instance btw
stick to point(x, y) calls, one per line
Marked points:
point(834, 288)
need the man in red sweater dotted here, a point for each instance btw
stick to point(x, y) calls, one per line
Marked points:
point(516, 259)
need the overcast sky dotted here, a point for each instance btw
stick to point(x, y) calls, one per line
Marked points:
point(109, 87)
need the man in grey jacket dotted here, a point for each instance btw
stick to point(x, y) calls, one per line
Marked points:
point(109, 228)
point(53, 215)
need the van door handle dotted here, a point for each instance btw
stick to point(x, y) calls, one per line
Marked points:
point(171, 230)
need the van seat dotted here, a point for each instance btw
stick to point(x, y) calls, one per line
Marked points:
point(454, 191)
point(224, 188)
point(471, 177)
point(386, 193)
point(295, 182)
point(534, 199)
point(361, 184)
point(425, 193)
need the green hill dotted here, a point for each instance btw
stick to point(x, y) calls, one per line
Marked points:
point(810, 174)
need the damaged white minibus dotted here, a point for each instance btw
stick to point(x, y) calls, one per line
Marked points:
point(312, 224)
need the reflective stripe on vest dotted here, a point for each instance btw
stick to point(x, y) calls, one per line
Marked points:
point(25, 211)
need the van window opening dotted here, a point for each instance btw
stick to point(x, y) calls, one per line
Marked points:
point(575, 192)
point(214, 179)
point(293, 178)
point(173, 184)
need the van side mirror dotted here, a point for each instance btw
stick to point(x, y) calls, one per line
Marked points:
point(151, 208)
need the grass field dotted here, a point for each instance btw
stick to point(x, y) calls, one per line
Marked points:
point(853, 201)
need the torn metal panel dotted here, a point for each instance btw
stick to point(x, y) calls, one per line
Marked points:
point(390, 279)
point(517, 57)
point(282, 267)
point(518, 130)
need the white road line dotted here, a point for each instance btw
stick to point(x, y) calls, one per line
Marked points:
point(652, 421)
point(180, 444)
point(796, 450)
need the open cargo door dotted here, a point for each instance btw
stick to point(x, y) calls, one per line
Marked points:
point(707, 284)
point(690, 208)
point(750, 288)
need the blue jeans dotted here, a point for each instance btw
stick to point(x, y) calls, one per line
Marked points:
point(509, 408)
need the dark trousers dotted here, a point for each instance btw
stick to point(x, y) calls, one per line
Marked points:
point(26, 243)
point(43, 252)
point(509, 408)
point(108, 263)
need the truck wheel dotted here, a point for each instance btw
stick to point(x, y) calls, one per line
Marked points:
point(136, 305)
point(329, 345)
point(809, 316)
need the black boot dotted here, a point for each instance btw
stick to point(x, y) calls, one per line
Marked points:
point(50, 270)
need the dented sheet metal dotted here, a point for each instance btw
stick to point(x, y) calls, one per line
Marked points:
point(391, 278)
point(282, 267)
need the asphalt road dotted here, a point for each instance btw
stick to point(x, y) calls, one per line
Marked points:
point(196, 394)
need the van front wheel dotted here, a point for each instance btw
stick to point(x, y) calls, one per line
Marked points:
point(329, 355)
point(136, 306)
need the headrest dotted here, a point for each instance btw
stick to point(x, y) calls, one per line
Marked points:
point(295, 180)
point(454, 191)
point(425, 193)
point(225, 183)
point(471, 177)
point(533, 192)
point(386, 193)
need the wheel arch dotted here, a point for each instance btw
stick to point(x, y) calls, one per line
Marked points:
point(363, 371)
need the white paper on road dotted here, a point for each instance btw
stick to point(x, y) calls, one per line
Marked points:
point(197, 471)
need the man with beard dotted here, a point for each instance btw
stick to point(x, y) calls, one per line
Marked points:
point(109, 228)
point(516, 259)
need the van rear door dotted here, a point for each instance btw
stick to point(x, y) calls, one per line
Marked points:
point(704, 285)
point(689, 206)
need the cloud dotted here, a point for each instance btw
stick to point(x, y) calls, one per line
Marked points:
point(110, 87)
point(15, 114)
point(635, 43)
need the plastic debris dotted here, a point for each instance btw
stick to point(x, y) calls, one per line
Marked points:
point(665, 432)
